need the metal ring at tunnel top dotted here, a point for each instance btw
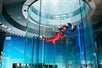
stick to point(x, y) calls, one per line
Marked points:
point(26, 6)
point(57, 17)
point(48, 16)
point(28, 3)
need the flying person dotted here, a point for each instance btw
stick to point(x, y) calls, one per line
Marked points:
point(62, 32)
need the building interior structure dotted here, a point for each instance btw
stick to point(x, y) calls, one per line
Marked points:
point(24, 23)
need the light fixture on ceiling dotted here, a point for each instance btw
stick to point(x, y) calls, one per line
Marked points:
point(5, 27)
point(2, 25)
point(9, 29)
point(19, 17)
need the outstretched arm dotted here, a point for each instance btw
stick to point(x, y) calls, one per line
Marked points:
point(56, 37)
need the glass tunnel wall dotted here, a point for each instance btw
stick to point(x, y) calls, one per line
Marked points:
point(74, 51)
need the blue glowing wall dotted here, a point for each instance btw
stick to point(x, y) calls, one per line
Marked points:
point(75, 50)
point(13, 51)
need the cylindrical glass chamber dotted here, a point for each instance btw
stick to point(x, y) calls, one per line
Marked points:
point(75, 50)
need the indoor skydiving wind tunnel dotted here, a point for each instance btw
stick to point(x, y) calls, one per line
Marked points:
point(75, 50)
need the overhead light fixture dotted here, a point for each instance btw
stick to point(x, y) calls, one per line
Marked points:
point(5, 27)
point(19, 17)
point(2, 25)
point(9, 29)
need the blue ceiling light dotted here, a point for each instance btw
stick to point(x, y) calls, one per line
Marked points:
point(55, 11)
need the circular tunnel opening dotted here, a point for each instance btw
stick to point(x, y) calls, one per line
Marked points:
point(44, 17)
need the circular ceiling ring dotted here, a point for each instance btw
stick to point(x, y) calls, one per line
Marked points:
point(28, 4)
point(57, 17)
point(33, 12)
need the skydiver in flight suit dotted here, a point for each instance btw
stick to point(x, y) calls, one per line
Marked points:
point(62, 32)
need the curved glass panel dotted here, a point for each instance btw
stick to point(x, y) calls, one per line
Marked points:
point(73, 51)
